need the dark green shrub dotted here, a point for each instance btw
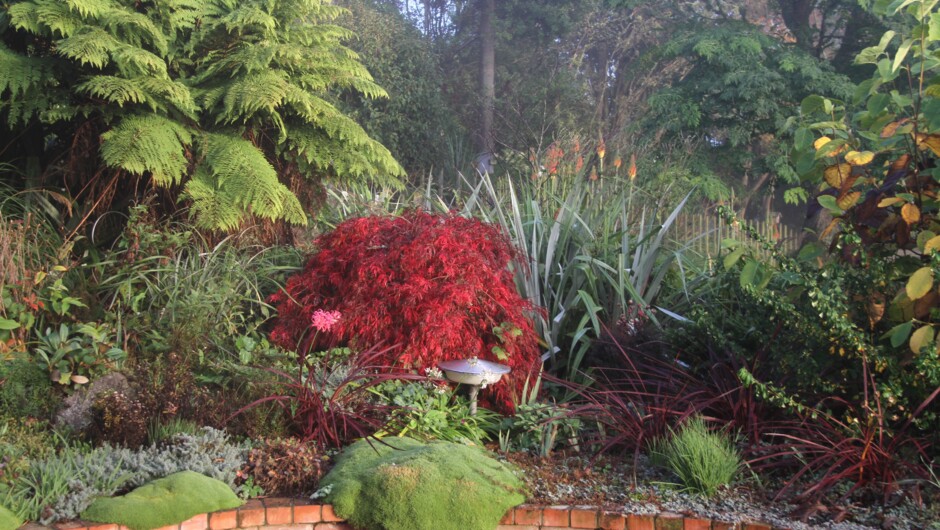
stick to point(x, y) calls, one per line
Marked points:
point(26, 390)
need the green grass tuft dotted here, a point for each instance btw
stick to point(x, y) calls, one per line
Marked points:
point(166, 501)
point(418, 486)
point(703, 460)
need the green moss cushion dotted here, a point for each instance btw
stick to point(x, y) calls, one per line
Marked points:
point(9, 520)
point(418, 486)
point(169, 500)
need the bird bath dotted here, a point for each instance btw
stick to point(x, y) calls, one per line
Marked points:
point(474, 373)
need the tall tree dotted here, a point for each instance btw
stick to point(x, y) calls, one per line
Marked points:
point(487, 77)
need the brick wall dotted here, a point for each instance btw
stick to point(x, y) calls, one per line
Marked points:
point(298, 514)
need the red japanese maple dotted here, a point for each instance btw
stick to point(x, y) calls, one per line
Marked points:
point(438, 287)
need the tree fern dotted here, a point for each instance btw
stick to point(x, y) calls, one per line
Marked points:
point(189, 91)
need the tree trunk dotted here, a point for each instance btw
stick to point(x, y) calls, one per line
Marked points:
point(796, 15)
point(487, 76)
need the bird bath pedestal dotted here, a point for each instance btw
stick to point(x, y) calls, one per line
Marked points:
point(475, 373)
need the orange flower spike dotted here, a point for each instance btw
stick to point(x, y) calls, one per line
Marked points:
point(618, 162)
point(579, 164)
point(593, 173)
point(632, 170)
point(601, 150)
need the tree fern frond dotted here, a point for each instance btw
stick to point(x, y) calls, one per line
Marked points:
point(236, 174)
point(251, 94)
point(90, 8)
point(174, 93)
point(209, 209)
point(369, 159)
point(320, 34)
point(115, 90)
point(89, 45)
point(45, 18)
point(133, 61)
point(247, 17)
point(20, 74)
point(148, 143)
point(136, 29)
point(24, 16)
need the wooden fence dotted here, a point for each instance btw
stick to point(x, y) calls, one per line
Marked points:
point(703, 233)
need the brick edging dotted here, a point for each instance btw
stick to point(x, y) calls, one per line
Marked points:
point(300, 514)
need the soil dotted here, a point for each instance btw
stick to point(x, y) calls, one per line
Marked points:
point(616, 484)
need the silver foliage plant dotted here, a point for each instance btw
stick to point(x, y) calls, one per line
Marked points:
point(63, 486)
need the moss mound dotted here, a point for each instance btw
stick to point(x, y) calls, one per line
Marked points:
point(9, 520)
point(417, 486)
point(169, 500)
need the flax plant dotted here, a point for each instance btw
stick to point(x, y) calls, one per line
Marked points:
point(586, 255)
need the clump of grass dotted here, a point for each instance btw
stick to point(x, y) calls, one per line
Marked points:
point(703, 460)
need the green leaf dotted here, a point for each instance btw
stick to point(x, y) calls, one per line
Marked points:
point(749, 273)
point(734, 256)
point(7, 324)
point(900, 333)
point(933, 32)
point(803, 138)
point(902, 53)
point(919, 283)
point(922, 337)
point(829, 202)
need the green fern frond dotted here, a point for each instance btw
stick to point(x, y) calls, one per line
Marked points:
point(20, 74)
point(248, 17)
point(90, 8)
point(115, 90)
point(323, 152)
point(320, 34)
point(133, 61)
point(148, 143)
point(136, 29)
point(56, 17)
point(44, 18)
point(251, 94)
point(173, 93)
point(208, 209)
point(89, 45)
point(236, 175)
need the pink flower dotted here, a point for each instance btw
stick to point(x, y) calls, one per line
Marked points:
point(324, 320)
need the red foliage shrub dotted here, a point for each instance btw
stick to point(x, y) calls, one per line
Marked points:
point(438, 287)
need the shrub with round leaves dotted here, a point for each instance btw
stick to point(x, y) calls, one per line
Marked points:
point(436, 287)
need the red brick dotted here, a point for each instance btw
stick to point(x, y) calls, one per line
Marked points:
point(332, 526)
point(583, 517)
point(103, 527)
point(329, 515)
point(508, 518)
point(197, 522)
point(279, 515)
point(612, 521)
point(718, 525)
point(251, 514)
point(669, 521)
point(556, 516)
point(528, 515)
point(640, 522)
point(290, 527)
point(692, 523)
point(223, 520)
point(514, 527)
point(756, 526)
point(169, 527)
point(307, 513)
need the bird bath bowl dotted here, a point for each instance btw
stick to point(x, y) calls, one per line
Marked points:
point(475, 373)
